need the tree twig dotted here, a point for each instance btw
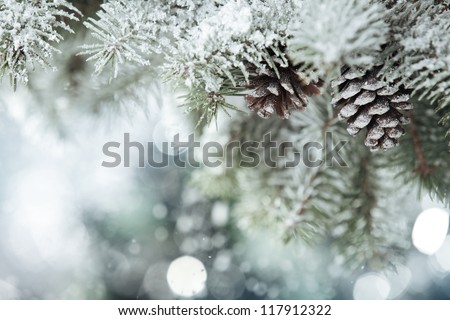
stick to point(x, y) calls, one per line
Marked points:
point(424, 169)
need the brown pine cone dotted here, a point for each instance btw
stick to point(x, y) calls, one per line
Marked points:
point(366, 101)
point(278, 94)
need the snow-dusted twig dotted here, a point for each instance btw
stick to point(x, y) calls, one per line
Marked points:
point(28, 32)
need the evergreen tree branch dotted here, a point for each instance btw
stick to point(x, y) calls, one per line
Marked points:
point(124, 33)
point(423, 157)
point(423, 168)
point(331, 34)
point(29, 31)
point(362, 229)
point(419, 60)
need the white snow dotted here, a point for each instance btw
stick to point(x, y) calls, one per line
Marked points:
point(28, 32)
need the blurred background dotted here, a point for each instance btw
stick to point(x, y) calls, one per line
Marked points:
point(72, 229)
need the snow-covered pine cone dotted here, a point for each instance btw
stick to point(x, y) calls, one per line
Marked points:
point(278, 94)
point(366, 101)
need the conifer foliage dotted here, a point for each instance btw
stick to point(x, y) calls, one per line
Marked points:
point(28, 33)
point(383, 64)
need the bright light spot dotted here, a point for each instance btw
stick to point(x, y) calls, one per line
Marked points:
point(219, 214)
point(443, 255)
point(186, 276)
point(185, 224)
point(430, 230)
point(371, 286)
point(222, 261)
point(399, 281)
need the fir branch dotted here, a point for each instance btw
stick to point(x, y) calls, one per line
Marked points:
point(296, 202)
point(28, 32)
point(423, 168)
point(226, 35)
point(125, 33)
point(424, 155)
point(208, 104)
point(362, 231)
point(216, 185)
point(351, 205)
point(84, 95)
point(332, 33)
point(420, 58)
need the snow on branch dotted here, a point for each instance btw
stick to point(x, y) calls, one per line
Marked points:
point(423, 157)
point(225, 35)
point(28, 31)
point(424, 58)
point(126, 32)
point(332, 33)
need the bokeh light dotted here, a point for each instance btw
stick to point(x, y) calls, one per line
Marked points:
point(399, 281)
point(371, 286)
point(72, 229)
point(187, 276)
point(443, 255)
point(430, 230)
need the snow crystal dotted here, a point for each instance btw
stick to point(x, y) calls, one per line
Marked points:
point(379, 107)
point(375, 133)
point(353, 130)
point(337, 97)
point(337, 82)
point(387, 121)
point(403, 106)
point(362, 120)
point(354, 74)
point(260, 92)
point(348, 110)
point(400, 97)
point(388, 143)
point(388, 90)
point(274, 88)
point(370, 142)
point(232, 20)
point(395, 133)
point(269, 105)
point(286, 83)
point(237, 16)
point(372, 84)
point(351, 90)
point(365, 98)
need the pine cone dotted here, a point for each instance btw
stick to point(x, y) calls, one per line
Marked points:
point(367, 101)
point(281, 94)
